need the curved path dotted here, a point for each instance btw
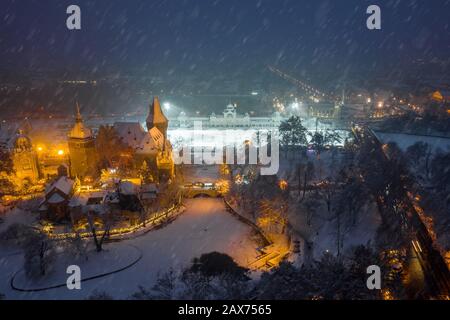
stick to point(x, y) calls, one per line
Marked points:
point(97, 276)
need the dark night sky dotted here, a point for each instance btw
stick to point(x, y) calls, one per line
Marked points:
point(194, 35)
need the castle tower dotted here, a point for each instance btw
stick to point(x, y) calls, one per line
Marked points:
point(25, 159)
point(83, 156)
point(156, 118)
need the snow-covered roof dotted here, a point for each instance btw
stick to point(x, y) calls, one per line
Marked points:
point(87, 198)
point(127, 188)
point(55, 198)
point(134, 135)
point(148, 145)
point(131, 133)
point(63, 184)
point(111, 197)
point(77, 201)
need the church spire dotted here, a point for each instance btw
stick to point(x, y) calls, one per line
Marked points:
point(156, 117)
point(79, 130)
point(78, 117)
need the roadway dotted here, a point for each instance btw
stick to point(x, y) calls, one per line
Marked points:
point(437, 275)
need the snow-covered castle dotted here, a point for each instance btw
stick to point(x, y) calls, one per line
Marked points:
point(151, 145)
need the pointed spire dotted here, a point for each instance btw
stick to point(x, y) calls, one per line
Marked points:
point(79, 130)
point(78, 115)
point(156, 117)
point(155, 113)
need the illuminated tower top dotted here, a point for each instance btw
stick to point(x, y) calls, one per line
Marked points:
point(156, 118)
point(79, 130)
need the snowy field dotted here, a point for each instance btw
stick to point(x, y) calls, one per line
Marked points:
point(204, 227)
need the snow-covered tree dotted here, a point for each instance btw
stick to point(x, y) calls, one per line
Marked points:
point(293, 133)
point(93, 225)
point(77, 247)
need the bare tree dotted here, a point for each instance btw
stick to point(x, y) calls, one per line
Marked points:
point(311, 205)
point(78, 246)
point(274, 213)
point(107, 223)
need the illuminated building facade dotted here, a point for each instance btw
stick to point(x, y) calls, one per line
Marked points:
point(25, 159)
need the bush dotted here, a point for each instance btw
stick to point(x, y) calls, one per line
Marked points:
point(99, 295)
point(216, 264)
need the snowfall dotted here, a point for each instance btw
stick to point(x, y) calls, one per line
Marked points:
point(205, 226)
point(404, 140)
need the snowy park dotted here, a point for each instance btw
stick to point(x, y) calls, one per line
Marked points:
point(224, 150)
point(204, 227)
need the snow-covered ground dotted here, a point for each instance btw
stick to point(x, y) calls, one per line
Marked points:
point(323, 230)
point(204, 227)
point(406, 140)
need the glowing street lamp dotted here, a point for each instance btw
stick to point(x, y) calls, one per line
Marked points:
point(283, 184)
point(60, 152)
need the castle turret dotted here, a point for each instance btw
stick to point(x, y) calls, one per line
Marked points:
point(83, 156)
point(156, 118)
